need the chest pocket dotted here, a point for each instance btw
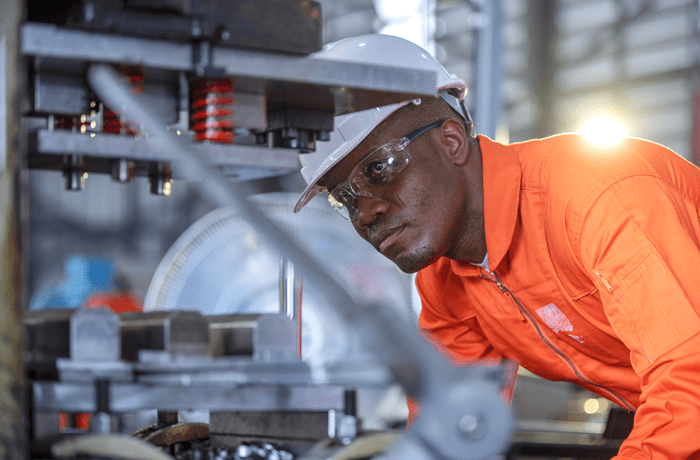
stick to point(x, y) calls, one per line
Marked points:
point(645, 303)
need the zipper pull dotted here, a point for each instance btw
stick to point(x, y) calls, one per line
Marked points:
point(499, 283)
point(496, 280)
point(605, 282)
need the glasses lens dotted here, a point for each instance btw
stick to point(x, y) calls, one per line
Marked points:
point(379, 168)
point(369, 178)
point(343, 202)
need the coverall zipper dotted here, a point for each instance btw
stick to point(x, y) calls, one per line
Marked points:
point(571, 364)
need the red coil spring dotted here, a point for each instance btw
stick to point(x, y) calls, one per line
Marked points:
point(133, 76)
point(212, 110)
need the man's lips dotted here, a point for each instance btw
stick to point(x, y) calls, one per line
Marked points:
point(384, 238)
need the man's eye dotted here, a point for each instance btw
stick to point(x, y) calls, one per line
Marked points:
point(379, 166)
point(377, 170)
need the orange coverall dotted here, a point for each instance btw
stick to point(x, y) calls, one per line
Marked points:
point(594, 278)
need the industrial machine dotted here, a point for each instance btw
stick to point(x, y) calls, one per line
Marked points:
point(218, 93)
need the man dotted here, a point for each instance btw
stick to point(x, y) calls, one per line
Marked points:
point(579, 262)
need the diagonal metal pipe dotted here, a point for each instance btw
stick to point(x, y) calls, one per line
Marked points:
point(421, 370)
point(219, 191)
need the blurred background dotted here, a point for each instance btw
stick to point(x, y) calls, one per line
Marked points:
point(555, 65)
point(551, 66)
point(534, 68)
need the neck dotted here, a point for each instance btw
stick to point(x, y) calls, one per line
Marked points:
point(470, 242)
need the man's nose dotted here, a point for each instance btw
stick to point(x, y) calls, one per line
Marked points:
point(368, 208)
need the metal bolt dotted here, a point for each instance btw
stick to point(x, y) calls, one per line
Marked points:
point(122, 170)
point(73, 172)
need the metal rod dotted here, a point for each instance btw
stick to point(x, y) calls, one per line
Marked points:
point(488, 99)
point(13, 282)
point(411, 359)
point(420, 369)
point(290, 296)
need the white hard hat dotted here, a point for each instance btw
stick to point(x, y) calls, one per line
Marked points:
point(351, 129)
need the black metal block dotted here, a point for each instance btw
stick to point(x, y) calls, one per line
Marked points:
point(291, 26)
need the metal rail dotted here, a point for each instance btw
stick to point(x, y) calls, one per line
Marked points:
point(353, 86)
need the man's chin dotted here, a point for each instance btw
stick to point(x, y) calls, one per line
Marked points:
point(411, 263)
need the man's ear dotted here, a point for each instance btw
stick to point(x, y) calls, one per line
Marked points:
point(455, 142)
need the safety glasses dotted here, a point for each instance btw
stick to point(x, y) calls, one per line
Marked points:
point(373, 173)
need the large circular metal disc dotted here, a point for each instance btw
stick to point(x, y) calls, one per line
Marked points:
point(221, 265)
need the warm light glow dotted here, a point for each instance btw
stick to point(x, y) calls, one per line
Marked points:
point(391, 10)
point(408, 19)
point(591, 406)
point(603, 130)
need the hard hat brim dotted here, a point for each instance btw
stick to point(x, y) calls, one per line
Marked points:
point(312, 189)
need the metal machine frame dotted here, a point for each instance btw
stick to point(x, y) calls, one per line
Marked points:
point(462, 411)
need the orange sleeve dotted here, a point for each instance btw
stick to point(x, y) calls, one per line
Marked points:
point(460, 340)
point(639, 242)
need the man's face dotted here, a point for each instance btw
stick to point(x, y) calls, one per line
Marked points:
point(417, 218)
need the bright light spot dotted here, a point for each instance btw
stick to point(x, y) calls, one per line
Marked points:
point(391, 10)
point(591, 406)
point(178, 132)
point(412, 30)
point(603, 130)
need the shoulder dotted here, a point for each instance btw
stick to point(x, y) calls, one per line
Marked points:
point(578, 171)
point(581, 173)
point(572, 156)
point(571, 168)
